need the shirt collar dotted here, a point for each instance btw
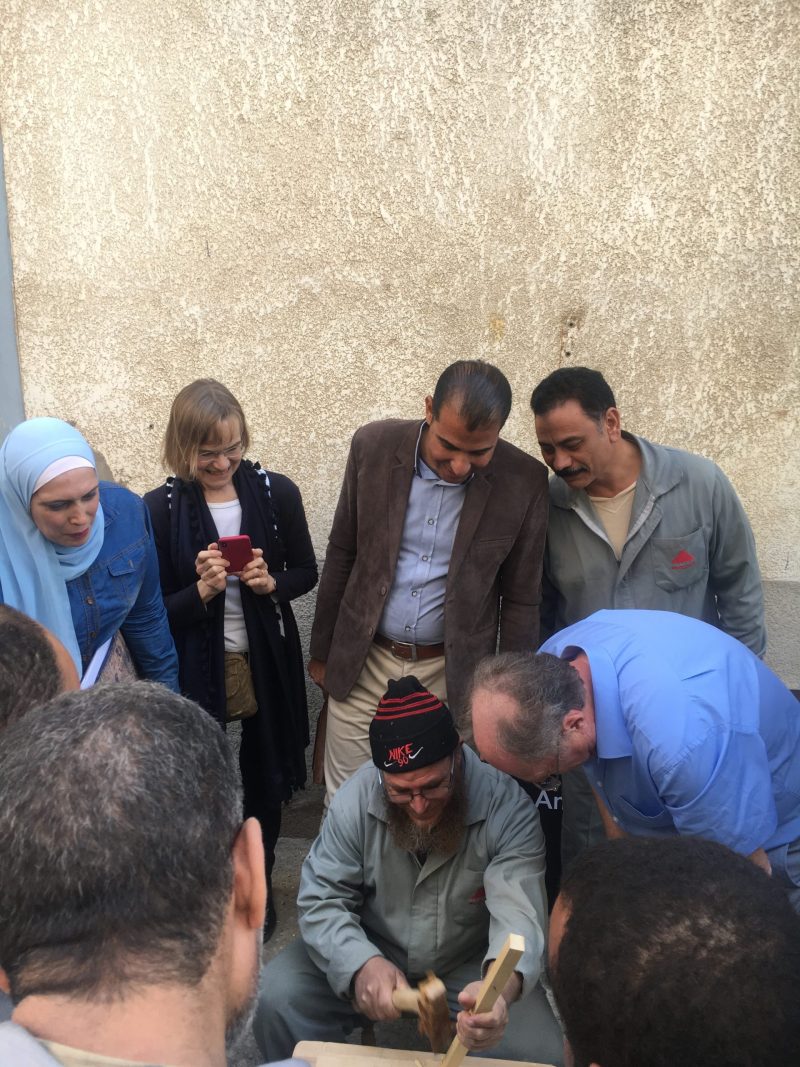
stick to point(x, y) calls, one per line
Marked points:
point(422, 470)
point(613, 739)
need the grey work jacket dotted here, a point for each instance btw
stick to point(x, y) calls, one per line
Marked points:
point(362, 896)
point(689, 549)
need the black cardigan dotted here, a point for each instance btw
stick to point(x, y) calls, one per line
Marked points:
point(273, 741)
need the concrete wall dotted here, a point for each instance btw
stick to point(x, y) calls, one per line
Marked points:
point(324, 203)
point(12, 408)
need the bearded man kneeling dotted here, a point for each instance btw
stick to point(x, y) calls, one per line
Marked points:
point(427, 860)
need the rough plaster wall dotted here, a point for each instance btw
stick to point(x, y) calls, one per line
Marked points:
point(324, 203)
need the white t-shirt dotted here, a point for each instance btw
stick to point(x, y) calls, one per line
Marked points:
point(228, 521)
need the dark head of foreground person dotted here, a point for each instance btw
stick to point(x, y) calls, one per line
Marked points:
point(675, 952)
point(132, 895)
point(34, 666)
point(427, 860)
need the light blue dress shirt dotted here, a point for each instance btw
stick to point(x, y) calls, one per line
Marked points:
point(414, 611)
point(695, 735)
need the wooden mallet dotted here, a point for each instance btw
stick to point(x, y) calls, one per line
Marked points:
point(429, 1002)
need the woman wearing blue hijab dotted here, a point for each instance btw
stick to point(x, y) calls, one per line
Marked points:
point(76, 554)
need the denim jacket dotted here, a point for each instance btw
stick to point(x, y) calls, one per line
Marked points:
point(121, 591)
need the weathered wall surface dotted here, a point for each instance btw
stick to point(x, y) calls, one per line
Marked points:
point(324, 203)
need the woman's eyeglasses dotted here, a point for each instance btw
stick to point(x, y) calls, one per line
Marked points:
point(231, 452)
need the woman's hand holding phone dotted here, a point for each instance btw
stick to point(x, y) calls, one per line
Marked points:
point(212, 572)
point(232, 556)
point(256, 575)
point(236, 551)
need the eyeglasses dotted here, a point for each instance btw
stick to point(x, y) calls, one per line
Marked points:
point(428, 792)
point(231, 452)
point(552, 781)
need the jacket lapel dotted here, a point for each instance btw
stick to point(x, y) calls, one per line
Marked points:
point(399, 487)
point(478, 492)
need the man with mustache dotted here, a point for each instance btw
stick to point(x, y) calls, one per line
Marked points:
point(132, 893)
point(427, 860)
point(634, 524)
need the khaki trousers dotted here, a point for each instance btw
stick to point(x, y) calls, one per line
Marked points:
point(347, 738)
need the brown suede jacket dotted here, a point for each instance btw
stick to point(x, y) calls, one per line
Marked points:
point(494, 581)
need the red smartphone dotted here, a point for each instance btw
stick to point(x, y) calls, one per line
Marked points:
point(237, 551)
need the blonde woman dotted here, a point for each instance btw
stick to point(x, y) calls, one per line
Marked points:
point(238, 647)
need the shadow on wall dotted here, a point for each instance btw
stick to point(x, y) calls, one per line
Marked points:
point(101, 464)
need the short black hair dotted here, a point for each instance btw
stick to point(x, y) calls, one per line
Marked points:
point(583, 384)
point(479, 392)
point(677, 951)
point(119, 807)
point(29, 673)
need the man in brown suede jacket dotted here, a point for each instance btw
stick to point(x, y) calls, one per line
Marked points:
point(435, 554)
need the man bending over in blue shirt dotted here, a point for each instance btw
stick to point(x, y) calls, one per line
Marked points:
point(679, 728)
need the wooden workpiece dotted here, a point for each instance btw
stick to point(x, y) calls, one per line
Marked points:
point(332, 1054)
point(493, 985)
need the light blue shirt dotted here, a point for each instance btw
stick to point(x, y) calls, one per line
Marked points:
point(695, 735)
point(414, 611)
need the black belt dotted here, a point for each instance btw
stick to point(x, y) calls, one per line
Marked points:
point(400, 650)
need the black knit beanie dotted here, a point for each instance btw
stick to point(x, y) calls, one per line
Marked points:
point(411, 729)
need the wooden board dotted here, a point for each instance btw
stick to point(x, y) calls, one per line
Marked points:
point(493, 984)
point(331, 1054)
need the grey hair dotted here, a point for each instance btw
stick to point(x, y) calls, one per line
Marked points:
point(544, 687)
point(29, 673)
point(119, 807)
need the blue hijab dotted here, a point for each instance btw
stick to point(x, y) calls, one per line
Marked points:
point(33, 570)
